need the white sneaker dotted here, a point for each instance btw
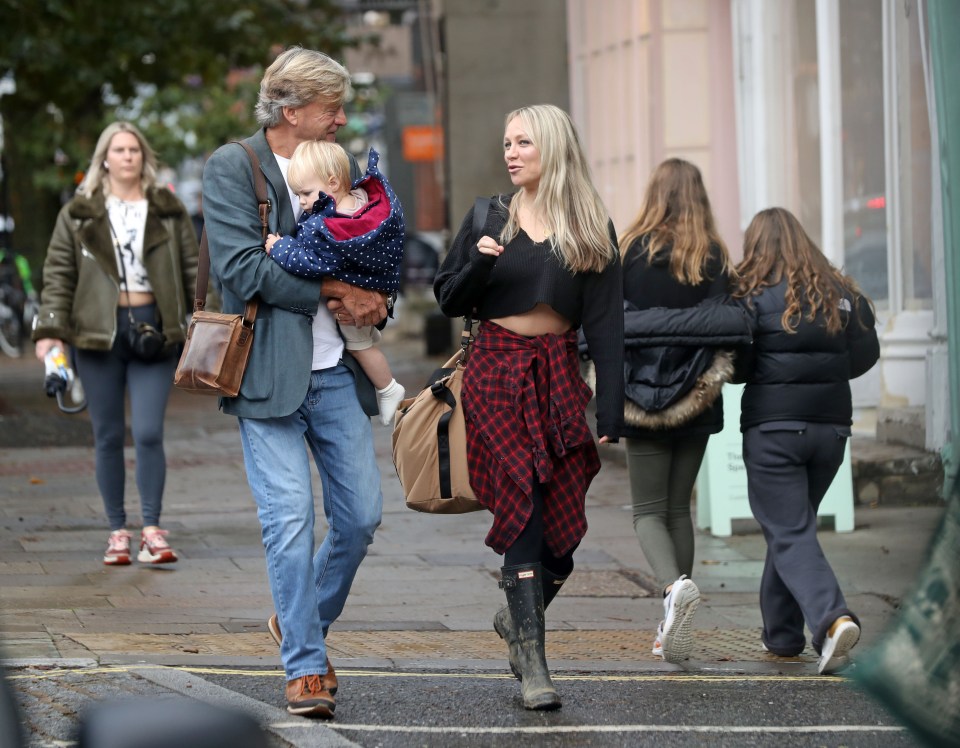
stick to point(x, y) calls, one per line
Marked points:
point(657, 650)
point(676, 632)
point(835, 652)
point(388, 399)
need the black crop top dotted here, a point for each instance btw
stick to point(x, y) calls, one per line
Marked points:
point(530, 273)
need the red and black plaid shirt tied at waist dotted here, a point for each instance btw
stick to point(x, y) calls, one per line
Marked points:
point(524, 402)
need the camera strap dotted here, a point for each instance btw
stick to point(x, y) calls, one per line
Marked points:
point(123, 270)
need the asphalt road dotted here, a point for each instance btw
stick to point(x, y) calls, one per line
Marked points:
point(392, 709)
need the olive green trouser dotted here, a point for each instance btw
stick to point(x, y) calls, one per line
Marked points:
point(662, 474)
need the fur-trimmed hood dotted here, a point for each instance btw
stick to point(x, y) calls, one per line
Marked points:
point(695, 401)
point(677, 360)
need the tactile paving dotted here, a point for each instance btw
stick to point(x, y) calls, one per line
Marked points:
point(620, 646)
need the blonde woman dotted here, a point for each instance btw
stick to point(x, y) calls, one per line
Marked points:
point(546, 264)
point(814, 332)
point(123, 254)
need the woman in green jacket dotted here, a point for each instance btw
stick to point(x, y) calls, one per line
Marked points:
point(118, 284)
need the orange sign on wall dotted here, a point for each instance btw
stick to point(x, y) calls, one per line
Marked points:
point(422, 143)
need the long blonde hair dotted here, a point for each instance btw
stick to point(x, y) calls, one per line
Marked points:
point(776, 248)
point(567, 202)
point(97, 176)
point(676, 212)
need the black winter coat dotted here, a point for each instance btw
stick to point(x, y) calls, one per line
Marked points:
point(805, 375)
point(650, 286)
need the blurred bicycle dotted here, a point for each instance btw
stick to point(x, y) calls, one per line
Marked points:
point(18, 302)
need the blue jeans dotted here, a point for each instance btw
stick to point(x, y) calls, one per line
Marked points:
point(310, 588)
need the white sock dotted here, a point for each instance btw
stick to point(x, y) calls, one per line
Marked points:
point(388, 399)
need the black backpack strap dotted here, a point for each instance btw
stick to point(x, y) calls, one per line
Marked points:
point(480, 209)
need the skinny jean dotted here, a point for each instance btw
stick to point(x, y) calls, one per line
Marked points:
point(662, 475)
point(106, 377)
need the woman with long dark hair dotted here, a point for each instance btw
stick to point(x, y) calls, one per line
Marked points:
point(675, 267)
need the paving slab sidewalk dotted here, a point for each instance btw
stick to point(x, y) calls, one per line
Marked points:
point(424, 597)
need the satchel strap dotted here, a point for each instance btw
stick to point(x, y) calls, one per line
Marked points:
point(203, 263)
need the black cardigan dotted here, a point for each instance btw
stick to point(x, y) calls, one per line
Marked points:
point(528, 273)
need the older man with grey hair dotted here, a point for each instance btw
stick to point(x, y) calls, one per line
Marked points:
point(300, 389)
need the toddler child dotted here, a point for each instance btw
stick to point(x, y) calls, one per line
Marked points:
point(351, 232)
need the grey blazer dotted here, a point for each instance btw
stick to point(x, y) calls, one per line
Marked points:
point(278, 374)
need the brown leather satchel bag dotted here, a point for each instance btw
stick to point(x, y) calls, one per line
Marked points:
point(217, 348)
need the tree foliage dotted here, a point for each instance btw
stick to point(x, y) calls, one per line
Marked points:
point(185, 71)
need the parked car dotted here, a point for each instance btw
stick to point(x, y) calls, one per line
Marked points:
point(865, 240)
point(866, 261)
point(421, 260)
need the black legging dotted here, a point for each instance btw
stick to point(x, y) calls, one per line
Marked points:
point(529, 547)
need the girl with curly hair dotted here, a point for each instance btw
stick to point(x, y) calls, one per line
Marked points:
point(813, 332)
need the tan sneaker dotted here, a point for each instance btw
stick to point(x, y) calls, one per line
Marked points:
point(329, 680)
point(118, 549)
point(307, 697)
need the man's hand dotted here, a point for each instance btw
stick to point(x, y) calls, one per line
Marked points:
point(362, 306)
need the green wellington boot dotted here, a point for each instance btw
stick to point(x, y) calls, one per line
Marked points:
point(503, 623)
point(523, 587)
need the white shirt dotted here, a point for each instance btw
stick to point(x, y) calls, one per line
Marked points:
point(128, 219)
point(327, 343)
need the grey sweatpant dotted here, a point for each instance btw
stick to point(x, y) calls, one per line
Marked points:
point(790, 465)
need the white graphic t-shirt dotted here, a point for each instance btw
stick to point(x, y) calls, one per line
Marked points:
point(128, 219)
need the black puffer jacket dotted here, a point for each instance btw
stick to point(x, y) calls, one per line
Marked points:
point(653, 291)
point(804, 376)
point(675, 364)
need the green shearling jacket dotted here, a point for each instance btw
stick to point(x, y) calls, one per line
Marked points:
point(81, 279)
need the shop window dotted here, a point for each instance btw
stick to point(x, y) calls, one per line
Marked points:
point(915, 150)
point(806, 195)
point(864, 171)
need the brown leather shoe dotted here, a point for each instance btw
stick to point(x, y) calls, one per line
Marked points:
point(329, 680)
point(307, 697)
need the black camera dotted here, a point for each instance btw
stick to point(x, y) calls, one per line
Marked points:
point(145, 342)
